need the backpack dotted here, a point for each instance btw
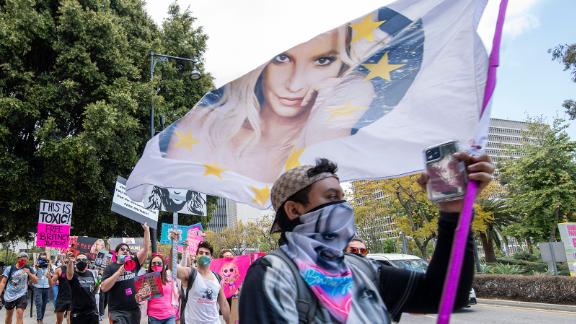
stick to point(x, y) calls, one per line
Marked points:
point(306, 303)
point(184, 294)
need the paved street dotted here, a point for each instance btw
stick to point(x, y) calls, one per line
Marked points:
point(498, 314)
point(49, 317)
point(477, 314)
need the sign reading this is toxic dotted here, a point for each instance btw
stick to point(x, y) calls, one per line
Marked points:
point(54, 220)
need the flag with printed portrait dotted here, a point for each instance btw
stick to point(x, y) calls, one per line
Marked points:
point(369, 95)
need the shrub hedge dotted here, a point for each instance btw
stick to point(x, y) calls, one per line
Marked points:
point(529, 266)
point(537, 288)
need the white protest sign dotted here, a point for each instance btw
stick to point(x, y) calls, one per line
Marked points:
point(123, 205)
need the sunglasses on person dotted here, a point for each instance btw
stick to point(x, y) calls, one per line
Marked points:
point(157, 263)
point(82, 259)
point(125, 249)
point(355, 250)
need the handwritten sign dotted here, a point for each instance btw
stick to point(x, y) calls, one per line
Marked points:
point(54, 220)
point(55, 236)
point(195, 236)
point(123, 205)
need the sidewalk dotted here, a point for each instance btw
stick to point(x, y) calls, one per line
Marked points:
point(513, 303)
point(50, 316)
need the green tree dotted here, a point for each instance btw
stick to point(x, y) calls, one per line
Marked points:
point(542, 182)
point(74, 103)
point(245, 237)
point(491, 217)
point(566, 55)
point(404, 201)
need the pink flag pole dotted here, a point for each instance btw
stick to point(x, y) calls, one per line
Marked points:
point(463, 228)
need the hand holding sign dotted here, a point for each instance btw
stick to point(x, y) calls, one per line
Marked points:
point(174, 235)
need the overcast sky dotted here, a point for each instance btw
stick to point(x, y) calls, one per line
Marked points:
point(246, 33)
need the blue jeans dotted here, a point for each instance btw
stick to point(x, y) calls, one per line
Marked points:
point(41, 297)
point(169, 320)
point(54, 294)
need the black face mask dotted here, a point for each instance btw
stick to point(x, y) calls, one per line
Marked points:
point(81, 265)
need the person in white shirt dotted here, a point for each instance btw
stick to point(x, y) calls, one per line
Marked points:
point(203, 297)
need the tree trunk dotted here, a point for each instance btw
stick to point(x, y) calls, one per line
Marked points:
point(422, 249)
point(489, 255)
point(555, 224)
point(530, 247)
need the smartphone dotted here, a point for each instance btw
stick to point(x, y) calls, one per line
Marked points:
point(447, 176)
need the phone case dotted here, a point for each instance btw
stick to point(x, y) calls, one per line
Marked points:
point(447, 176)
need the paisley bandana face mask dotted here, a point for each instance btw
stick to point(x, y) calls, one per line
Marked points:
point(316, 246)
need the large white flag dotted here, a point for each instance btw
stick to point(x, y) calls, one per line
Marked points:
point(369, 95)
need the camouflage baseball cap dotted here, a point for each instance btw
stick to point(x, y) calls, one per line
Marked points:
point(290, 183)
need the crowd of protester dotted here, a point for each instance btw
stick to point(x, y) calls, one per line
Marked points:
point(320, 273)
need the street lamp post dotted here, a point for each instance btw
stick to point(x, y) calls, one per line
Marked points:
point(194, 75)
point(154, 59)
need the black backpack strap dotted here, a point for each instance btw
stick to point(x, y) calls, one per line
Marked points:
point(10, 272)
point(365, 266)
point(306, 304)
point(219, 280)
point(184, 295)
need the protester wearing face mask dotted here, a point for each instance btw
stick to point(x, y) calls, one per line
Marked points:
point(164, 309)
point(42, 287)
point(310, 279)
point(64, 299)
point(203, 295)
point(83, 285)
point(119, 282)
point(14, 286)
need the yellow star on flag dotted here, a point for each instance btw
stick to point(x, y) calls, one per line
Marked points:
point(381, 69)
point(293, 159)
point(213, 169)
point(346, 110)
point(260, 195)
point(364, 28)
point(185, 140)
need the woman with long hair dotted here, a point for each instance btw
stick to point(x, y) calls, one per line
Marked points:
point(253, 124)
point(161, 309)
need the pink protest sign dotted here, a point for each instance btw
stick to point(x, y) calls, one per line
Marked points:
point(54, 220)
point(195, 236)
point(53, 235)
point(232, 271)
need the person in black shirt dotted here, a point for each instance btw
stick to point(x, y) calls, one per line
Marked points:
point(64, 298)
point(119, 282)
point(294, 284)
point(82, 285)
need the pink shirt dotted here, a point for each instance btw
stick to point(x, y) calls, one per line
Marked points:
point(161, 307)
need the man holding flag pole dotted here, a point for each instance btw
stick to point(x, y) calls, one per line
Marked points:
point(316, 224)
point(370, 96)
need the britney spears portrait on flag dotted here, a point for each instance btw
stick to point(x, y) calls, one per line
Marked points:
point(370, 95)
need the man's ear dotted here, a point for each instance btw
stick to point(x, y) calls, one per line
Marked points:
point(293, 209)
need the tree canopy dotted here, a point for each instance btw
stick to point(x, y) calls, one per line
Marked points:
point(401, 202)
point(566, 55)
point(75, 103)
point(541, 184)
point(241, 237)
